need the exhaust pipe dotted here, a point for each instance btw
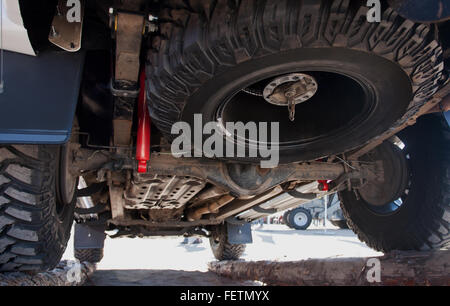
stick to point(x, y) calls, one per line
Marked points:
point(208, 208)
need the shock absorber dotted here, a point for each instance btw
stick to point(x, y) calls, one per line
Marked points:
point(143, 132)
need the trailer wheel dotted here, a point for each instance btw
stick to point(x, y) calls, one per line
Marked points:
point(410, 210)
point(37, 201)
point(221, 248)
point(300, 218)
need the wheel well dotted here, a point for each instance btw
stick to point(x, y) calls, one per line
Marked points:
point(37, 17)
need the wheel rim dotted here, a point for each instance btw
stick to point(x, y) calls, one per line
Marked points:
point(315, 118)
point(300, 219)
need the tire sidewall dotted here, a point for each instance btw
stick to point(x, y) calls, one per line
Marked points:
point(391, 95)
point(388, 232)
point(64, 219)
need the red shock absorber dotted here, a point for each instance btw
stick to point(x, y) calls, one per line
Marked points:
point(143, 132)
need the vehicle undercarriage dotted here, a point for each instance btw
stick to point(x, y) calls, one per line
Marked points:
point(150, 64)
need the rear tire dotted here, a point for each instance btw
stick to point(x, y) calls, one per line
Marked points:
point(300, 218)
point(342, 224)
point(89, 255)
point(221, 248)
point(36, 207)
point(420, 221)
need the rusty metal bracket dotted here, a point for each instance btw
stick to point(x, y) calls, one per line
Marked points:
point(116, 194)
point(122, 92)
point(241, 180)
point(128, 29)
point(245, 180)
point(67, 25)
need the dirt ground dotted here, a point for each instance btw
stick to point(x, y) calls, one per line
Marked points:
point(166, 261)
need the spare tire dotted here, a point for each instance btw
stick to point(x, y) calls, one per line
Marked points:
point(216, 60)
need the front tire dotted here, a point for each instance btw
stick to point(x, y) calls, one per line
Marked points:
point(221, 248)
point(36, 208)
point(417, 216)
point(89, 255)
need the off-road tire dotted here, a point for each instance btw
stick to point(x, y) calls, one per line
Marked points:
point(89, 255)
point(33, 233)
point(203, 46)
point(286, 219)
point(342, 224)
point(422, 221)
point(221, 248)
point(292, 215)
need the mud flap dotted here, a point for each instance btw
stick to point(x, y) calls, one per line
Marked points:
point(239, 233)
point(89, 236)
point(40, 97)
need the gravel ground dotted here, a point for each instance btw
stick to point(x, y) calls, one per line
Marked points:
point(166, 261)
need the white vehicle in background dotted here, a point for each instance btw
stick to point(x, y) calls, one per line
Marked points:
point(302, 217)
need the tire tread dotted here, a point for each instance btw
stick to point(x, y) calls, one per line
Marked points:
point(30, 239)
point(201, 39)
point(431, 229)
point(89, 255)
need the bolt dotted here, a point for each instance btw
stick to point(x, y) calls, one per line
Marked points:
point(289, 93)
